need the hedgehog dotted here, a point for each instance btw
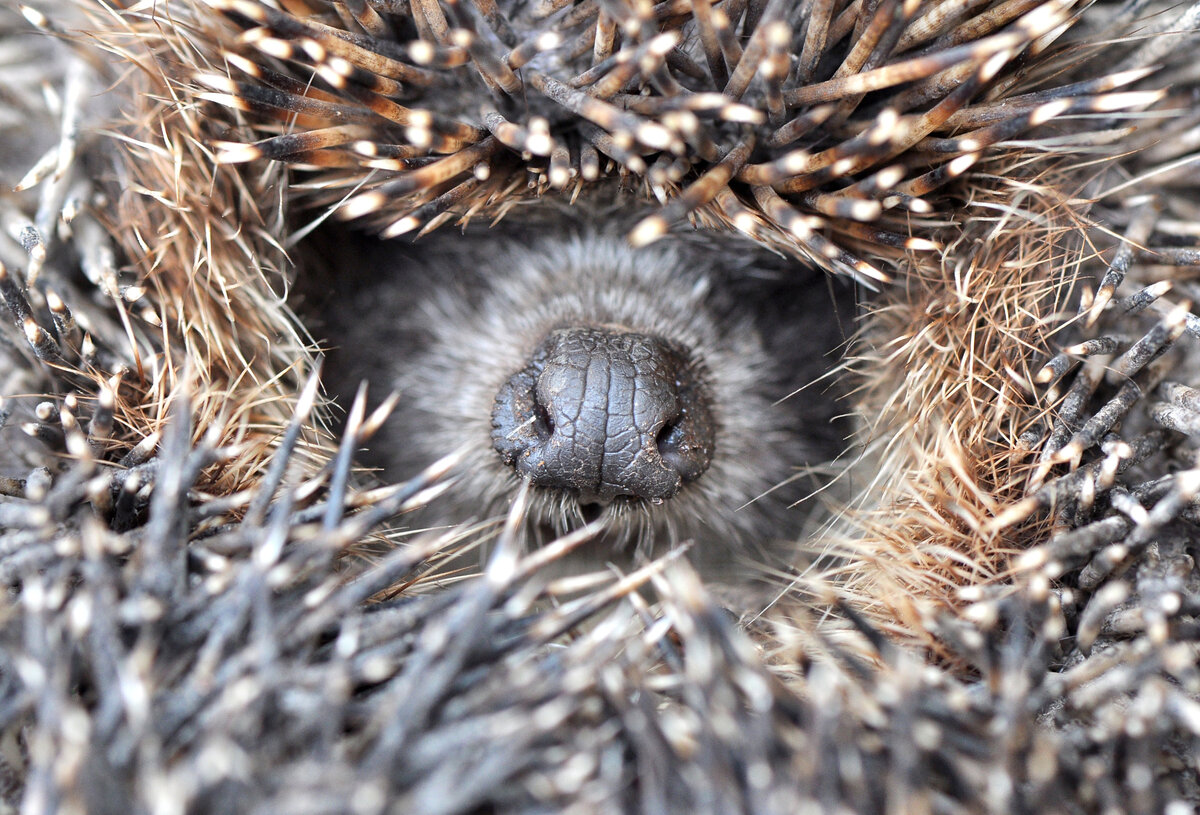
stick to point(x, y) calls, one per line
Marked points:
point(210, 608)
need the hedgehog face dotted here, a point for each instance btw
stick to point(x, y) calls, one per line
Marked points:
point(647, 388)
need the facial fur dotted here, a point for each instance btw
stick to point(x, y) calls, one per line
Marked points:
point(448, 320)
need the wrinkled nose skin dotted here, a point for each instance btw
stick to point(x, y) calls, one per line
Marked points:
point(605, 413)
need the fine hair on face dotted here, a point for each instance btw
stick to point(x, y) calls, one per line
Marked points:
point(677, 392)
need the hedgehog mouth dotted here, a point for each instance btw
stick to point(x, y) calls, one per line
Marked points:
point(591, 512)
point(605, 413)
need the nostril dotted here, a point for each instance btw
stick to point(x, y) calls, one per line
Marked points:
point(670, 438)
point(519, 422)
point(686, 447)
point(543, 421)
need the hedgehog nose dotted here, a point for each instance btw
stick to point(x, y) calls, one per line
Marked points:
point(605, 412)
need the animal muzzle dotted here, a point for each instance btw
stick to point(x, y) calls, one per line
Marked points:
point(606, 412)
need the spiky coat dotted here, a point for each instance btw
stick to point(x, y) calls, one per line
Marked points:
point(179, 635)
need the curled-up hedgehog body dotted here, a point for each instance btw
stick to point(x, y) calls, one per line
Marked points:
point(1003, 616)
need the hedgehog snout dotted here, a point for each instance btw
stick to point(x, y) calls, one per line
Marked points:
point(605, 412)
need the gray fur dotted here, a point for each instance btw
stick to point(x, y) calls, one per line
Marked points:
point(446, 321)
